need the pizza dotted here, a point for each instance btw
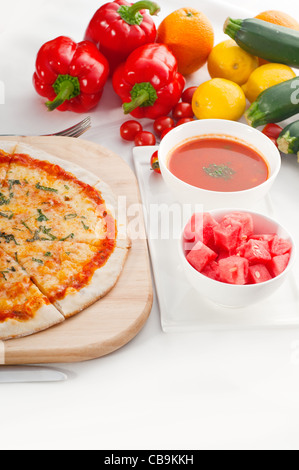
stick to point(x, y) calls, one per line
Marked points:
point(62, 243)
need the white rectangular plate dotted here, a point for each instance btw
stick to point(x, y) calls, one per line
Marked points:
point(181, 307)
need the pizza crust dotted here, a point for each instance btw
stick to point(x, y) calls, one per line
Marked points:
point(7, 146)
point(45, 317)
point(123, 240)
point(83, 175)
point(103, 280)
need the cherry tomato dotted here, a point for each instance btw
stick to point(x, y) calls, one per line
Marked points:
point(166, 132)
point(272, 130)
point(188, 94)
point(183, 121)
point(162, 123)
point(129, 129)
point(155, 162)
point(182, 110)
point(144, 138)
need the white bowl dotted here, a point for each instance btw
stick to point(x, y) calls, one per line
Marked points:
point(188, 194)
point(237, 296)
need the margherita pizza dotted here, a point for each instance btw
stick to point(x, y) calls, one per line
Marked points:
point(62, 247)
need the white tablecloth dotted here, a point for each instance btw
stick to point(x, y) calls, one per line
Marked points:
point(177, 391)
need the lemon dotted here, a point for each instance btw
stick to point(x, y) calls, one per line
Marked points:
point(228, 60)
point(265, 77)
point(219, 99)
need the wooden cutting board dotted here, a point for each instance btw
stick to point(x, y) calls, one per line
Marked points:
point(116, 319)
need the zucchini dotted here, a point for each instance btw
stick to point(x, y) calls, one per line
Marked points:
point(275, 104)
point(266, 40)
point(288, 140)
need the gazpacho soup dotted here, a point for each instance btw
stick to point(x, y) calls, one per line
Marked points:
point(218, 163)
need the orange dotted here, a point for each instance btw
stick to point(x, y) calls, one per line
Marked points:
point(281, 19)
point(190, 36)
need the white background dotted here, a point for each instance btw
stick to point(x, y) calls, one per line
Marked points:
point(216, 390)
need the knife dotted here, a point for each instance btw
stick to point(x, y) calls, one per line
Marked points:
point(30, 374)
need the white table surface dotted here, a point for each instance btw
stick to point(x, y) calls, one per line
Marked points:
point(216, 390)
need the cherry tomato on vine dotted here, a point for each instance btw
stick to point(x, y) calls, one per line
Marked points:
point(183, 121)
point(188, 94)
point(162, 123)
point(155, 162)
point(145, 138)
point(182, 110)
point(129, 129)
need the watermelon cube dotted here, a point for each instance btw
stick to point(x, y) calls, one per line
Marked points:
point(193, 228)
point(280, 246)
point(279, 264)
point(234, 270)
point(241, 249)
point(227, 235)
point(200, 256)
point(256, 251)
point(211, 244)
point(245, 220)
point(259, 273)
point(266, 237)
point(222, 254)
point(199, 228)
point(209, 223)
point(212, 271)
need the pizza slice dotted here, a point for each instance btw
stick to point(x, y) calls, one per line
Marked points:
point(37, 210)
point(24, 310)
point(53, 179)
point(27, 215)
point(71, 275)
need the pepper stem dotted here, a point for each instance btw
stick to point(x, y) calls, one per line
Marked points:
point(136, 103)
point(132, 15)
point(143, 95)
point(152, 7)
point(66, 87)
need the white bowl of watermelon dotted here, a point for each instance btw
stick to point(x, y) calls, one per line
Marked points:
point(236, 258)
point(218, 163)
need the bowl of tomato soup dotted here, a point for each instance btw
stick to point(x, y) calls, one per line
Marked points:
point(218, 163)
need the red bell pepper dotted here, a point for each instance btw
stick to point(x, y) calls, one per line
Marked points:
point(72, 76)
point(149, 83)
point(119, 27)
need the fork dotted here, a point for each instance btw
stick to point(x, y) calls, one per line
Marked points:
point(74, 131)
